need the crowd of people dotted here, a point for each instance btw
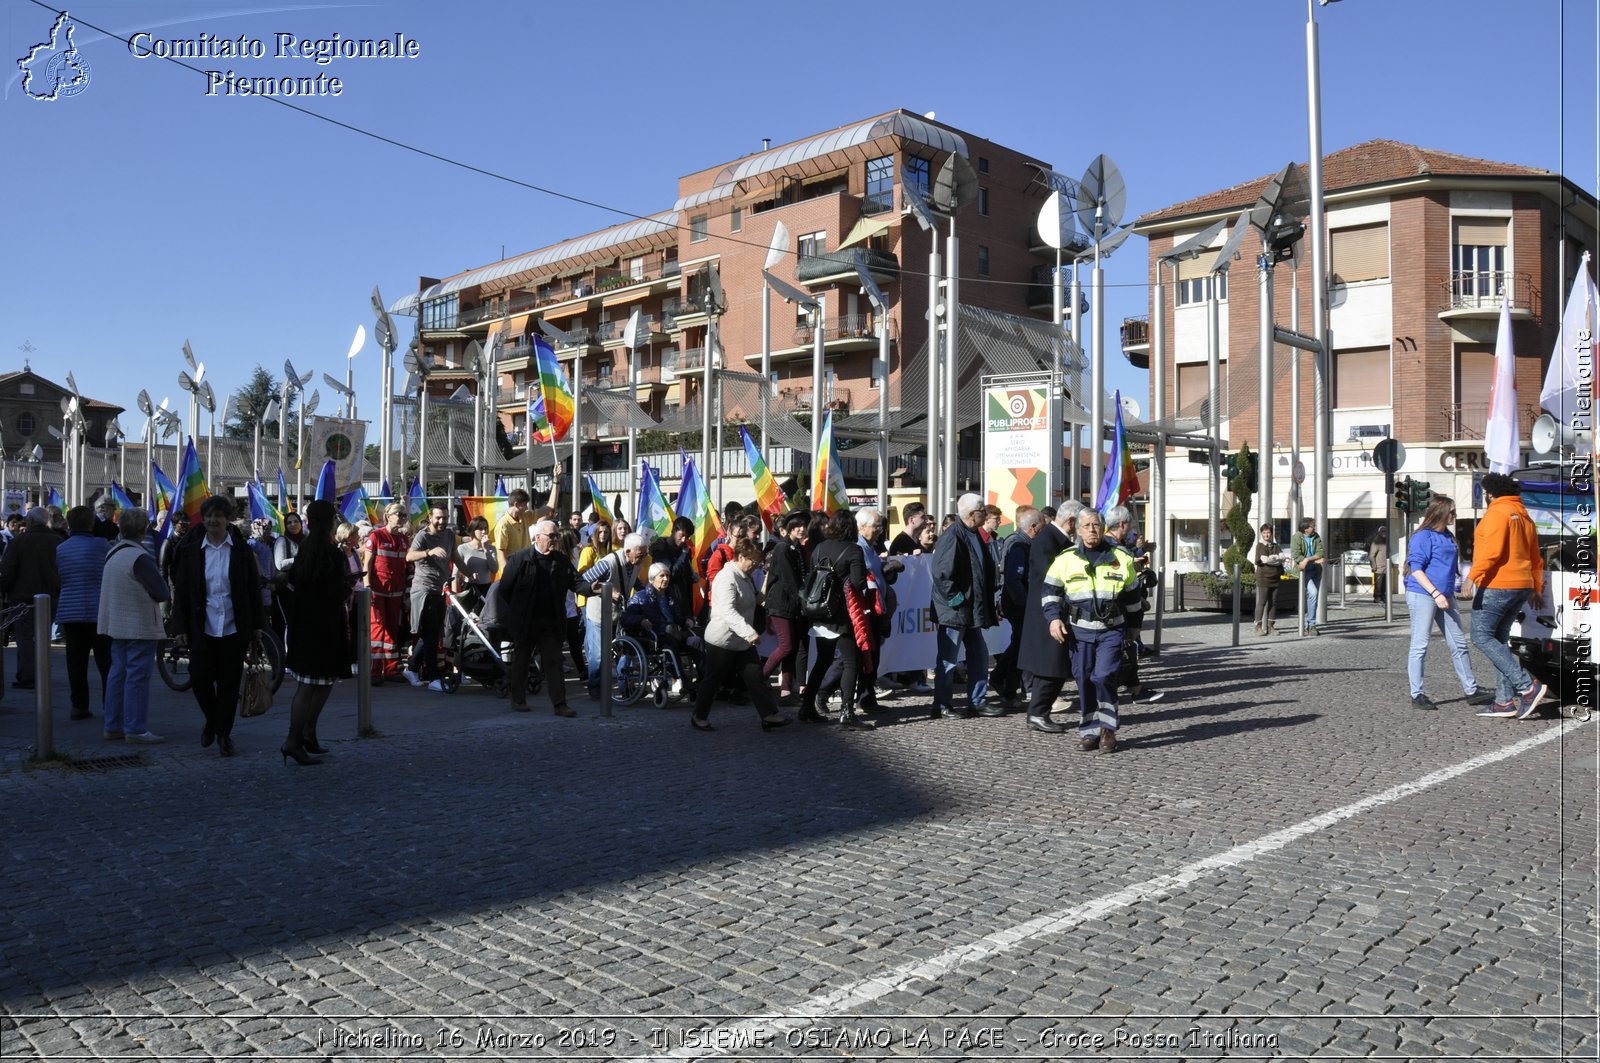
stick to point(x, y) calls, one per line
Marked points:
point(819, 591)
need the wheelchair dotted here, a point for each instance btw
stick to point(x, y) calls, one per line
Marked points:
point(641, 665)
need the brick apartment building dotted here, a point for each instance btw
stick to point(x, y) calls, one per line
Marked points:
point(1424, 247)
point(836, 192)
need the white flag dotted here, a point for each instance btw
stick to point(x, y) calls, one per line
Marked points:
point(1566, 383)
point(1500, 443)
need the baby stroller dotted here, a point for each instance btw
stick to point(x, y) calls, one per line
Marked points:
point(478, 648)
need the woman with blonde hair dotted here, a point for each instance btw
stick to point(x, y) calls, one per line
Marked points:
point(1432, 579)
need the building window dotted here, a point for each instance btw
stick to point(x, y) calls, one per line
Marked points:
point(1360, 254)
point(1194, 290)
point(917, 174)
point(983, 200)
point(697, 228)
point(1193, 389)
point(983, 261)
point(1361, 378)
point(26, 425)
point(636, 268)
point(1474, 386)
point(736, 223)
point(812, 245)
point(983, 164)
point(439, 313)
point(880, 186)
point(1478, 257)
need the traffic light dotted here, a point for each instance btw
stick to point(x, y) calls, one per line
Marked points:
point(1230, 472)
point(1402, 495)
point(1420, 494)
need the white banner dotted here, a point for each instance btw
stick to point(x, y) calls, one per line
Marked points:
point(345, 442)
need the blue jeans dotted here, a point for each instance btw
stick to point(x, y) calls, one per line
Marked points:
point(1311, 583)
point(128, 685)
point(1426, 615)
point(1492, 617)
point(951, 639)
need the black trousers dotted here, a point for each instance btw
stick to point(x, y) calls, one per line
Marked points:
point(742, 667)
point(427, 618)
point(1004, 679)
point(1043, 690)
point(82, 640)
point(547, 644)
point(217, 667)
point(850, 666)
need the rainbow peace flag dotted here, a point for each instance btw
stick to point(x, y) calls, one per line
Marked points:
point(193, 481)
point(654, 511)
point(327, 490)
point(694, 502)
point(769, 496)
point(119, 497)
point(827, 481)
point(1121, 479)
point(557, 406)
point(490, 507)
point(162, 492)
point(602, 512)
point(261, 507)
point(416, 504)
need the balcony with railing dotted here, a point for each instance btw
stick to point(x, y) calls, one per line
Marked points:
point(1481, 293)
point(508, 396)
point(844, 327)
point(1136, 340)
point(798, 400)
point(840, 266)
point(611, 332)
point(1469, 420)
point(678, 311)
point(1077, 243)
point(690, 360)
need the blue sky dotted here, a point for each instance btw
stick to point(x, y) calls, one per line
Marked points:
point(142, 212)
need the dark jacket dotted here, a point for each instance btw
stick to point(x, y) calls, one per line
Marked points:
point(1014, 582)
point(786, 575)
point(963, 579)
point(654, 606)
point(28, 566)
point(849, 566)
point(534, 589)
point(189, 585)
point(1040, 654)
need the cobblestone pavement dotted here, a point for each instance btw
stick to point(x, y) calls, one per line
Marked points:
point(481, 884)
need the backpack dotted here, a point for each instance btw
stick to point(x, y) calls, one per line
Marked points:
point(822, 598)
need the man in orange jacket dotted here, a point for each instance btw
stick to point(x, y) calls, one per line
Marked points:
point(1508, 572)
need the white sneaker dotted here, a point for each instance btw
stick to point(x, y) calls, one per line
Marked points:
point(437, 684)
point(144, 738)
point(920, 687)
point(411, 677)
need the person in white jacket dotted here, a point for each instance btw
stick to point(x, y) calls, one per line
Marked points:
point(731, 638)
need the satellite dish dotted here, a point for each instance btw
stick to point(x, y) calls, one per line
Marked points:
point(144, 403)
point(188, 356)
point(956, 185)
point(1130, 407)
point(556, 336)
point(357, 343)
point(471, 358)
point(1231, 246)
point(779, 247)
point(1103, 197)
point(1194, 245)
point(185, 382)
point(633, 333)
point(1056, 226)
point(789, 292)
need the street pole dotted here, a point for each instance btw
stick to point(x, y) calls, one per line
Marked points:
point(1097, 372)
point(1156, 527)
point(300, 461)
point(1075, 309)
point(1058, 305)
point(386, 415)
point(1213, 389)
point(935, 338)
point(883, 412)
point(1264, 447)
point(1319, 290)
point(422, 437)
point(283, 434)
point(819, 328)
point(577, 431)
point(766, 367)
point(1294, 403)
point(952, 354)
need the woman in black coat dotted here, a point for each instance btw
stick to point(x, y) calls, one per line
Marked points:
point(786, 575)
point(837, 634)
point(319, 629)
point(218, 619)
point(1045, 662)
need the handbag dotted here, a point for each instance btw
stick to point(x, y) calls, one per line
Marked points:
point(256, 696)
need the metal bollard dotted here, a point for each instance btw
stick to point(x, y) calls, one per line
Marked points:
point(363, 636)
point(1344, 588)
point(606, 664)
point(44, 735)
point(1161, 601)
point(1238, 592)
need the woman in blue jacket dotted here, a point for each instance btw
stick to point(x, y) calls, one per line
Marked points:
point(1432, 578)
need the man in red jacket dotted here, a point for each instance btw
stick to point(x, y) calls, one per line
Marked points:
point(1508, 571)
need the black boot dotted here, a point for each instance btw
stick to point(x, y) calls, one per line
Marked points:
point(852, 722)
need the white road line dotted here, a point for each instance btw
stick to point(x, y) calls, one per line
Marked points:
point(850, 997)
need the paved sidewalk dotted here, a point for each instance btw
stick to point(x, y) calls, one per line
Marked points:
point(1284, 860)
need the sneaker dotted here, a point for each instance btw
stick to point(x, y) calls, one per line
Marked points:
point(1147, 696)
point(411, 677)
point(437, 684)
point(1422, 701)
point(144, 738)
point(1529, 699)
point(1499, 710)
point(1480, 697)
point(920, 687)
